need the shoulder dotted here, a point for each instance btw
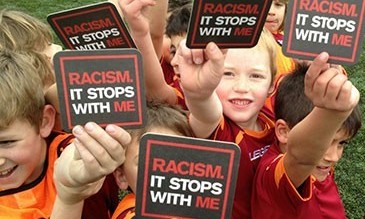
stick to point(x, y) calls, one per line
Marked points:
point(126, 208)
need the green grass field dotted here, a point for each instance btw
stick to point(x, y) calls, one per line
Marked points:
point(350, 172)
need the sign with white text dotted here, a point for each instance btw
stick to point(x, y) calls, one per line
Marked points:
point(228, 23)
point(181, 177)
point(314, 26)
point(96, 26)
point(103, 86)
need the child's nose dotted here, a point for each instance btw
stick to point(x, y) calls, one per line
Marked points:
point(332, 154)
point(241, 85)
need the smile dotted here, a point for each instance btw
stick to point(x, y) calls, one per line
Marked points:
point(8, 172)
point(240, 102)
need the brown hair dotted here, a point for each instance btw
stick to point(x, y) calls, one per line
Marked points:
point(21, 31)
point(21, 96)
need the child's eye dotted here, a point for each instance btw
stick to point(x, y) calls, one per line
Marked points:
point(257, 76)
point(6, 143)
point(231, 74)
point(279, 4)
point(343, 143)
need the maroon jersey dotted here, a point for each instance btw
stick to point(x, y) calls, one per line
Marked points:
point(274, 196)
point(179, 94)
point(168, 71)
point(253, 145)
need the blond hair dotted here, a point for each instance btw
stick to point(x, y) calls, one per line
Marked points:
point(21, 95)
point(267, 42)
point(21, 31)
point(42, 66)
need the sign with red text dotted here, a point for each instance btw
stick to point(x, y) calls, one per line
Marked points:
point(181, 177)
point(228, 23)
point(103, 86)
point(96, 26)
point(314, 26)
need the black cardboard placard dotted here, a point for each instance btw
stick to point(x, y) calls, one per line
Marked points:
point(228, 23)
point(95, 26)
point(181, 177)
point(313, 26)
point(104, 86)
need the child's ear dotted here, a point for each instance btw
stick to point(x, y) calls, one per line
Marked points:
point(120, 178)
point(48, 121)
point(282, 130)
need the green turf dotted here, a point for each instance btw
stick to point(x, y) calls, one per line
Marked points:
point(350, 172)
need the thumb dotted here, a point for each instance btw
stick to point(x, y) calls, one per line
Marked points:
point(215, 58)
point(318, 65)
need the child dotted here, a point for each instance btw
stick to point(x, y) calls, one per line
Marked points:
point(161, 118)
point(315, 120)
point(177, 26)
point(28, 147)
point(275, 19)
point(225, 97)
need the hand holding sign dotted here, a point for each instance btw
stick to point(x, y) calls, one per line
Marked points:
point(80, 169)
point(202, 77)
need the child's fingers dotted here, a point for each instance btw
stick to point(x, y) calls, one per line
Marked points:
point(320, 85)
point(349, 96)
point(89, 169)
point(106, 143)
point(318, 65)
point(119, 134)
point(334, 87)
point(215, 59)
point(102, 146)
point(186, 54)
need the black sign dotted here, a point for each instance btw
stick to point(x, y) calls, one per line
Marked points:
point(97, 26)
point(104, 86)
point(181, 177)
point(228, 23)
point(314, 26)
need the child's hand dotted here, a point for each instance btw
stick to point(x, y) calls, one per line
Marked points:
point(328, 87)
point(200, 70)
point(81, 168)
point(134, 13)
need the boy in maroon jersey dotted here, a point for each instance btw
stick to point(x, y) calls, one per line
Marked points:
point(225, 94)
point(315, 120)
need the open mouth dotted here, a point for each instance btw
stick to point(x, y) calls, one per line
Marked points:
point(7, 172)
point(240, 102)
point(324, 168)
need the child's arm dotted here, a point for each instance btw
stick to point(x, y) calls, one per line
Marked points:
point(81, 169)
point(157, 22)
point(201, 72)
point(334, 98)
point(156, 86)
